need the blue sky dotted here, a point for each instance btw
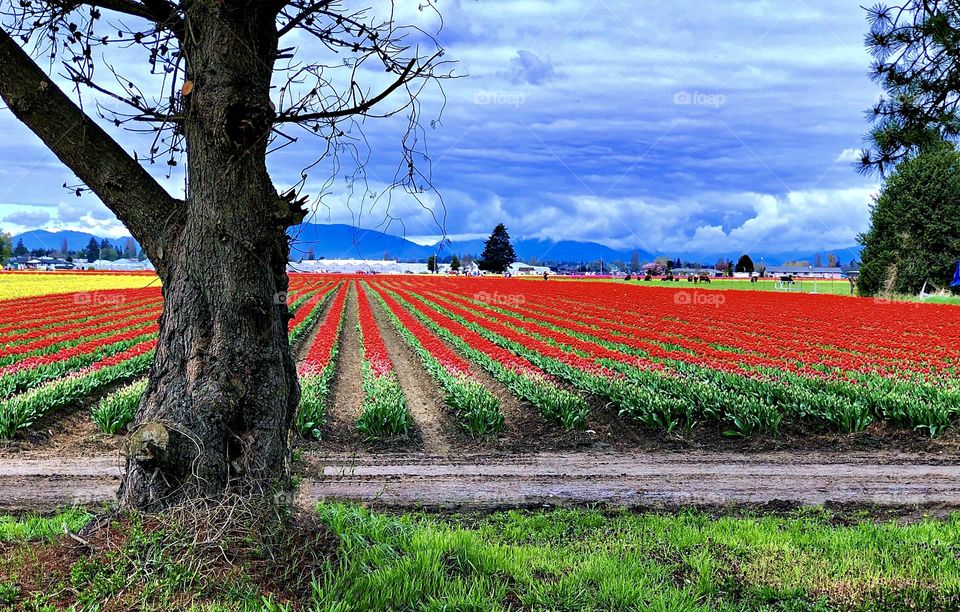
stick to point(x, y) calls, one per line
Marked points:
point(674, 127)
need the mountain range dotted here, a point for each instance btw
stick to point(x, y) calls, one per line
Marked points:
point(43, 239)
point(338, 241)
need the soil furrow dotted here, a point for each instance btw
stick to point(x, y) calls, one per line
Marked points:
point(424, 397)
point(347, 398)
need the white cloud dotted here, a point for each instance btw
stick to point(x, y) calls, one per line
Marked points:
point(801, 220)
point(849, 155)
point(28, 218)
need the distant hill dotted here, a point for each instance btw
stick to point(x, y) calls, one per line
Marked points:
point(43, 239)
point(336, 241)
point(339, 241)
point(555, 251)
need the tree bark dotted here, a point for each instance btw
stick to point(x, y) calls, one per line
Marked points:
point(217, 414)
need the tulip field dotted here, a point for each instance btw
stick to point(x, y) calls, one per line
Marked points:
point(658, 360)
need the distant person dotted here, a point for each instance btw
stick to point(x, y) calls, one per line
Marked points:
point(853, 284)
point(546, 275)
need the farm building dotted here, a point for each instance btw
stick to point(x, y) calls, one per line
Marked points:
point(39, 263)
point(518, 268)
point(804, 272)
point(352, 266)
point(120, 265)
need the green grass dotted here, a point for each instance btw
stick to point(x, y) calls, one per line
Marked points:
point(827, 286)
point(588, 560)
point(41, 528)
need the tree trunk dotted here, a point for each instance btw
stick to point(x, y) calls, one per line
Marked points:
point(216, 416)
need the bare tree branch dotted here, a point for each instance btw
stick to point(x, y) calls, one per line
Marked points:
point(359, 109)
point(306, 13)
point(97, 159)
point(158, 11)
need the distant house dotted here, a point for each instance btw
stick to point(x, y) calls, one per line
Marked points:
point(40, 263)
point(18, 263)
point(804, 272)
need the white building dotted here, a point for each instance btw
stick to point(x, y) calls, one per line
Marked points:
point(355, 266)
point(120, 265)
point(390, 266)
point(518, 268)
point(804, 272)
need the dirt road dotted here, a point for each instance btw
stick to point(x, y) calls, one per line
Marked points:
point(561, 479)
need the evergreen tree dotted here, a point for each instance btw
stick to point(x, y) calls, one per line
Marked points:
point(455, 264)
point(745, 264)
point(20, 249)
point(129, 249)
point(108, 252)
point(432, 263)
point(498, 252)
point(6, 248)
point(914, 45)
point(914, 226)
point(93, 250)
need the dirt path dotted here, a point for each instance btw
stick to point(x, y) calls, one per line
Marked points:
point(634, 479)
point(347, 384)
point(558, 479)
point(424, 398)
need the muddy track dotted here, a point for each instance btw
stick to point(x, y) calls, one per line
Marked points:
point(487, 482)
point(347, 398)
